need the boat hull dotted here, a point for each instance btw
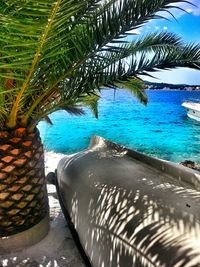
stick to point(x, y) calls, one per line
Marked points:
point(193, 110)
point(130, 209)
point(192, 116)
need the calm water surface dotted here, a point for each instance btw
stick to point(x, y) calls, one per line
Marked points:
point(161, 129)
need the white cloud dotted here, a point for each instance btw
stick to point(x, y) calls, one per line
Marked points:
point(176, 76)
point(195, 10)
point(190, 8)
point(135, 31)
point(158, 28)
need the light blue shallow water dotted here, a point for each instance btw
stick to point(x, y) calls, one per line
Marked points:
point(160, 129)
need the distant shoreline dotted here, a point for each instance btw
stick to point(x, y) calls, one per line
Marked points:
point(167, 86)
point(172, 89)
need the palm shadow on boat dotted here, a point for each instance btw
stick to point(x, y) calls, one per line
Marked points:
point(124, 218)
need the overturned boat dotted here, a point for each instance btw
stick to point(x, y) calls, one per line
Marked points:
point(128, 209)
point(193, 110)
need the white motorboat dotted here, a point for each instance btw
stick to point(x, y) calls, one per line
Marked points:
point(193, 110)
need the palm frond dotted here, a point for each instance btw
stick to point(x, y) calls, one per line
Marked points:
point(73, 110)
point(48, 120)
point(135, 86)
point(188, 56)
point(33, 30)
point(92, 74)
point(52, 51)
point(91, 101)
point(88, 38)
point(122, 68)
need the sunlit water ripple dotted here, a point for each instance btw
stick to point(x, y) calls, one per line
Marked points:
point(161, 129)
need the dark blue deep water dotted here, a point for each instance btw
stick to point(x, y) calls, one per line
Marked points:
point(161, 128)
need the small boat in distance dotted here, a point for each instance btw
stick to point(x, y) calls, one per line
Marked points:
point(193, 110)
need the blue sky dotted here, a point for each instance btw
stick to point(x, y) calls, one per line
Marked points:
point(188, 27)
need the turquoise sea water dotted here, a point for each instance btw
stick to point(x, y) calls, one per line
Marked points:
point(161, 129)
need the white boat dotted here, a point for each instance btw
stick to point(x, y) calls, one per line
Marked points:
point(193, 110)
point(125, 208)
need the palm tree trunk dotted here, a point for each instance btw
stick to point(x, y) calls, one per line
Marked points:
point(23, 194)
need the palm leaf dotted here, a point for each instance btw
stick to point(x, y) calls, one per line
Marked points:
point(53, 50)
point(136, 87)
point(122, 68)
point(91, 101)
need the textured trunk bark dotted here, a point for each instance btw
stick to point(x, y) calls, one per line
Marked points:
point(23, 194)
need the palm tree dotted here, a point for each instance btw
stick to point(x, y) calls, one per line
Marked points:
point(57, 55)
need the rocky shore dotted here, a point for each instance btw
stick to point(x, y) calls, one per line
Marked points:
point(191, 164)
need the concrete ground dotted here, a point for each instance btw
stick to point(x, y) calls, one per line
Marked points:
point(57, 249)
